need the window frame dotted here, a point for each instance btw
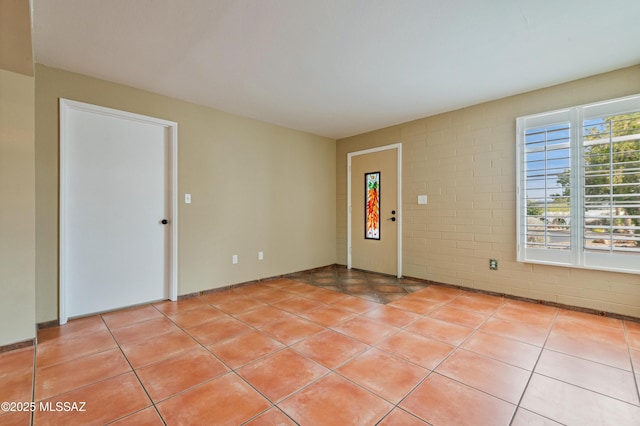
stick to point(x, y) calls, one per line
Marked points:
point(576, 256)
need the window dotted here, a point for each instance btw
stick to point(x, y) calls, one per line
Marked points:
point(579, 186)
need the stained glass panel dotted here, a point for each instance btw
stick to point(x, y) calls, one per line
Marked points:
point(372, 206)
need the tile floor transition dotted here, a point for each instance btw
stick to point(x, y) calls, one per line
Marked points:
point(286, 352)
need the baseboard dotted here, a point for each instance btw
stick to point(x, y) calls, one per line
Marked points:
point(55, 323)
point(246, 283)
point(535, 301)
point(48, 324)
point(19, 345)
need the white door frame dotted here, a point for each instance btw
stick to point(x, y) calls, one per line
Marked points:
point(398, 147)
point(66, 106)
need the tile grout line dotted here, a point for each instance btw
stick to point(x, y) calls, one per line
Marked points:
point(609, 396)
point(366, 276)
point(533, 369)
point(230, 368)
point(290, 347)
point(276, 406)
point(370, 346)
point(202, 345)
point(475, 331)
point(133, 370)
point(233, 370)
point(107, 378)
point(330, 370)
point(633, 370)
point(286, 346)
point(517, 405)
point(433, 371)
point(396, 407)
point(72, 360)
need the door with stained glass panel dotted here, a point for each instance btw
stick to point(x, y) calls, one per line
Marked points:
point(375, 214)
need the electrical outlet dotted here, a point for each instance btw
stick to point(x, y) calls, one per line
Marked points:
point(234, 259)
point(260, 255)
point(493, 264)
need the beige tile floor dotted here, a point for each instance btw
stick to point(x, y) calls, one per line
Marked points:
point(288, 352)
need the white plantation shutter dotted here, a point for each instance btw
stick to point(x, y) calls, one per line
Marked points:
point(579, 186)
point(544, 148)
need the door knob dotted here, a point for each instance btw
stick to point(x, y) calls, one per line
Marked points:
point(164, 221)
point(392, 219)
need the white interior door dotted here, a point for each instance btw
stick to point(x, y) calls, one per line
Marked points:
point(116, 186)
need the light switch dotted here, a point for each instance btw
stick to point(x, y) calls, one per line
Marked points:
point(422, 199)
point(187, 198)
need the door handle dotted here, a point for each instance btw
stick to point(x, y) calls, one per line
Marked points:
point(392, 219)
point(164, 221)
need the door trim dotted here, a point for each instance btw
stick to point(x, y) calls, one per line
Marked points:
point(398, 147)
point(171, 129)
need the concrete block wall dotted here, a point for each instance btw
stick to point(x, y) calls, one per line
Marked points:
point(464, 161)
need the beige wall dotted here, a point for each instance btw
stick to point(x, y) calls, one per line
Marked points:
point(15, 36)
point(255, 187)
point(17, 208)
point(464, 161)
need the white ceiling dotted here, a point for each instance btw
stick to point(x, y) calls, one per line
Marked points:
point(337, 67)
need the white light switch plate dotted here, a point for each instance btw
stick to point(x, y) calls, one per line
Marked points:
point(422, 199)
point(187, 198)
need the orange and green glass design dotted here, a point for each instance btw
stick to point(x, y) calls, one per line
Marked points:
point(372, 206)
